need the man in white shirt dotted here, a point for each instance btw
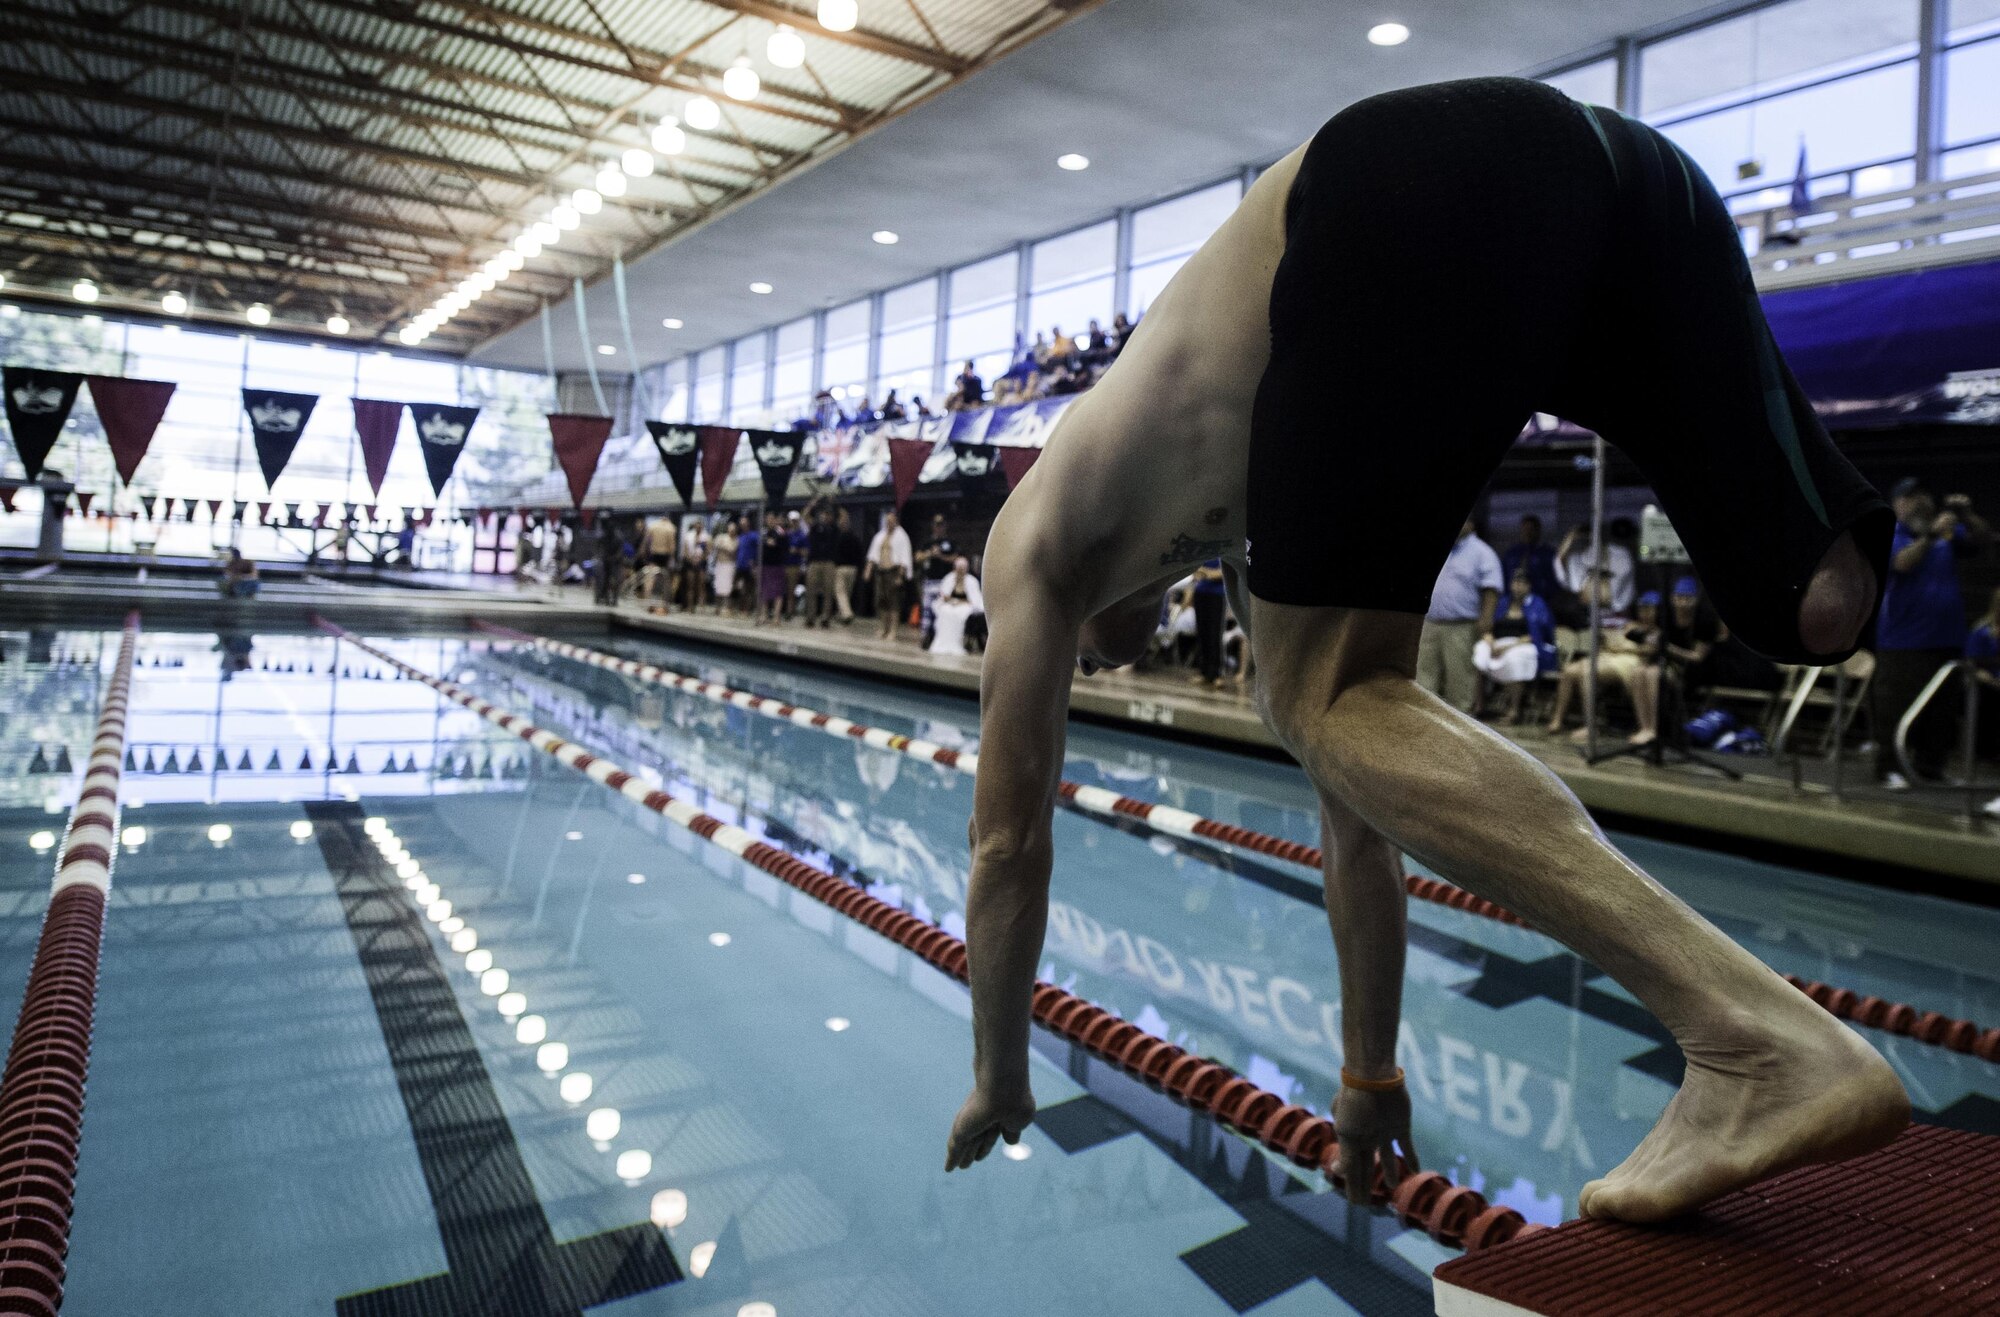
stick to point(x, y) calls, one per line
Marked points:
point(1576, 563)
point(1462, 604)
point(889, 563)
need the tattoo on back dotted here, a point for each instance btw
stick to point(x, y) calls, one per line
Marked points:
point(1186, 549)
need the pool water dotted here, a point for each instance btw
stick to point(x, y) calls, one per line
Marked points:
point(305, 1099)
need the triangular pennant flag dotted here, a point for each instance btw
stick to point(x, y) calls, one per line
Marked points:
point(306, 760)
point(243, 763)
point(424, 517)
point(151, 767)
point(777, 454)
point(324, 509)
point(718, 455)
point(906, 463)
point(263, 512)
point(978, 466)
point(442, 431)
point(274, 764)
point(172, 763)
point(291, 514)
point(241, 508)
point(130, 411)
point(375, 425)
point(7, 498)
point(147, 501)
point(38, 403)
point(579, 443)
point(680, 453)
point(214, 508)
point(194, 761)
point(276, 422)
point(1015, 461)
point(485, 517)
point(83, 499)
point(369, 508)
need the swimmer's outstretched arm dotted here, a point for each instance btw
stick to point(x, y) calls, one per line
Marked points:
point(1024, 702)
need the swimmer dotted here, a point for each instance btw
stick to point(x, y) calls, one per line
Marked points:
point(1317, 398)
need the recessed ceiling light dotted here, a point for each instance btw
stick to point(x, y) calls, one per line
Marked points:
point(258, 314)
point(611, 180)
point(84, 291)
point(671, 322)
point(605, 350)
point(636, 162)
point(174, 304)
point(839, 15)
point(587, 201)
point(1072, 162)
point(740, 82)
point(786, 48)
point(668, 139)
point(1388, 34)
point(701, 113)
point(760, 287)
point(887, 237)
point(336, 324)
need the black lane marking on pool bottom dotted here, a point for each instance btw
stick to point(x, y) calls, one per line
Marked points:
point(503, 1258)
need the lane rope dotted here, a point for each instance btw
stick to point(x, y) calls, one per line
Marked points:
point(1454, 1215)
point(1931, 1027)
point(48, 1065)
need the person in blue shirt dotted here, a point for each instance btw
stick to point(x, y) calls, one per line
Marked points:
point(1209, 606)
point(1537, 558)
point(1982, 647)
point(1921, 626)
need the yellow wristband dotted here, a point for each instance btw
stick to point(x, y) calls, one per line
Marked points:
point(1352, 1080)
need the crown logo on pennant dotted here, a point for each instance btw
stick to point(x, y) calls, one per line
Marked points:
point(678, 443)
point(273, 415)
point(973, 464)
point(441, 429)
point(35, 400)
point(774, 453)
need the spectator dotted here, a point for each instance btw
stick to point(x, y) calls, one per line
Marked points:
point(1709, 655)
point(1576, 561)
point(749, 546)
point(1982, 649)
point(968, 390)
point(848, 557)
point(889, 563)
point(797, 540)
point(1521, 644)
point(694, 567)
point(239, 577)
point(1688, 636)
point(959, 606)
point(1209, 602)
point(1095, 345)
point(1921, 627)
point(609, 554)
point(1462, 606)
point(934, 564)
point(775, 557)
point(1625, 651)
point(892, 409)
point(525, 555)
point(659, 547)
point(917, 406)
point(1121, 333)
point(1175, 638)
point(723, 554)
point(1042, 350)
point(1062, 348)
point(822, 557)
point(1531, 554)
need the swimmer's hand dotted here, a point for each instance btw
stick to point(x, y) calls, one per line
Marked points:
point(1366, 1124)
point(988, 1115)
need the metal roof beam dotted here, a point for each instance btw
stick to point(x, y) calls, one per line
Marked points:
point(860, 38)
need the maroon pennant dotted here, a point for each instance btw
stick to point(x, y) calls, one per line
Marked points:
point(83, 502)
point(552, 515)
point(424, 517)
point(324, 509)
point(1016, 461)
point(264, 513)
point(485, 516)
point(130, 411)
point(214, 508)
point(370, 510)
point(375, 424)
point(7, 498)
point(718, 455)
point(579, 443)
point(906, 463)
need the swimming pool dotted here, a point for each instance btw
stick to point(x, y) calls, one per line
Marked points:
point(304, 1098)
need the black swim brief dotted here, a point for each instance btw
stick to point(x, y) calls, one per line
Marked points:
point(1463, 255)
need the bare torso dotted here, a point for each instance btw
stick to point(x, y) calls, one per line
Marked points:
point(1143, 477)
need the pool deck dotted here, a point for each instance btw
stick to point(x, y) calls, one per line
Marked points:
point(1764, 808)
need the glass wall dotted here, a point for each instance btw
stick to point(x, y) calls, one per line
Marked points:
point(1595, 83)
point(1164, 236)
point(909, 360)
point(843, 364)
point(980, 324)
point(1071, 279)
point(1972, 89)
point(708, 384)
point(746, 380)
point(792, 373)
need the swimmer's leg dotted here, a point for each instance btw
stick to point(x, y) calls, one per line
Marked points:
point(1772, 1081)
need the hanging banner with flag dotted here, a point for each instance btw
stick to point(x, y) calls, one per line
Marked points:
point(777, 454)
point(38, 403)
point(1015, 462)
point(276, 422)
point(375, 425)
point(130, 411)
point(718, 455)
point(978, 467)
point(680, 453)
point(441, 431)
point(906, 463)
point(579, 443)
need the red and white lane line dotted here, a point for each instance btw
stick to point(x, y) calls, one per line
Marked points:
point(1454, 1215)
point(41, 1094)
point(1871, 1012)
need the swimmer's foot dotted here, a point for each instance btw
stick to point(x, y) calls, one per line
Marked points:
point(1642, 738)
point(1772, 1092)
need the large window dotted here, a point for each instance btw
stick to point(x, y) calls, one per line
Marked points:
point(908, 363)
point(1072, 279)
point(708, 369)
point(980, 323)
point(792, 373)
point(1164, 236)
point(844, 362)
point(1595, 83)
point(746, 380)
point(1834, 77)
point(670, 394)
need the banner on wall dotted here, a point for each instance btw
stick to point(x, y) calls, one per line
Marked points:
point(130, 411)
point(680, 454)
point(978, 467)
point(441, 432)
point(1015, 462)
point(276, 422)
point(718, 455)
point(777, 454)
point(38, 403)
point(906, 463)
point(376, 423)
point(579, 442)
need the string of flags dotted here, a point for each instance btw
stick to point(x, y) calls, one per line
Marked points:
point(165, 759)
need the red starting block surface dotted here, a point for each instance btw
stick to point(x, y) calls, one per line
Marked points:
point(1910, 1231)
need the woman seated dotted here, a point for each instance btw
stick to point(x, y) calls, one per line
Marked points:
point(1626, 650)
point(1520, 647)
point(239, 576)
point(960, 610)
